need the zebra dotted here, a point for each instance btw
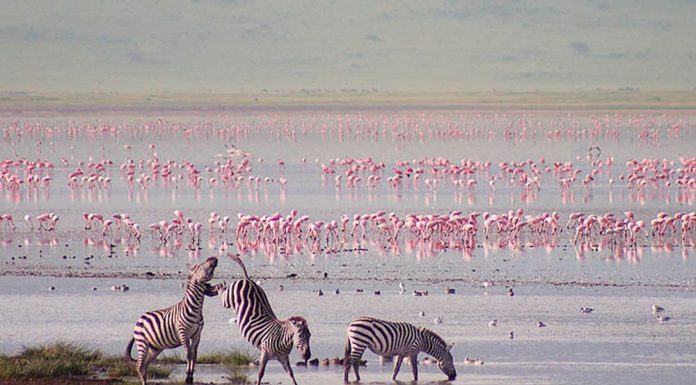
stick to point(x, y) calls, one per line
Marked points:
point(260, 326)
point(399, 339)
point(177, 325)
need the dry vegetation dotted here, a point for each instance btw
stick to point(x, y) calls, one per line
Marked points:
point(31, 104)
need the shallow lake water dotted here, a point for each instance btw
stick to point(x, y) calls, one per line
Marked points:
point(620, 342)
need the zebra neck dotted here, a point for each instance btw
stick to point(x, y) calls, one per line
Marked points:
point(288, 336)
point(194, 295)
point(431, 346)
point(434, 350)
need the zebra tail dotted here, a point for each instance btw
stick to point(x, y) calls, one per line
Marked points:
point(236, 258)
point(127, 355)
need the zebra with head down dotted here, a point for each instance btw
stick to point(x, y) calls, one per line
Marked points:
point(395, 339)
point(177, 325)
point(260, 326)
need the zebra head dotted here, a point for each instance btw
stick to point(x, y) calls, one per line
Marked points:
point(446, 364)
point(203, 272)
point(301, 336)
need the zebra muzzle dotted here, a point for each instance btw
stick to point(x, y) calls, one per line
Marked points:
point(306, 354)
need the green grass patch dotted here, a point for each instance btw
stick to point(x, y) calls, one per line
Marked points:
point(116, 367)
point(237, 374)
point(171, 359)
point(230, 358)
point(64, 359)
point(59, 359)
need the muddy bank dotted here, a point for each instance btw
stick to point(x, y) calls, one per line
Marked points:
point(470, 283)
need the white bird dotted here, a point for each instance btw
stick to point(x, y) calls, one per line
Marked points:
point(541, 324)
point(493, 323)
point(586, 309)
point(232, 320)
point(472, 361)
point(663, 318)
point(320, 293)
point(512, 335)
point(657, 309)
point(438, 320)
point(422, 314)
point(402, 289)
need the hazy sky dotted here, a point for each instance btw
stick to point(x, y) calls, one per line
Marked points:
point(229, 46)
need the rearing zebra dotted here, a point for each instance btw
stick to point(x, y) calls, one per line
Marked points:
point(177, 325)
point(398, 339)
point(260, 326)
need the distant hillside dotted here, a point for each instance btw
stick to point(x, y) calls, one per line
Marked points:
point(238, 46)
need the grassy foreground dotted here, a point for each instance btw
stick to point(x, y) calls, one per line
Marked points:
point(70, 360)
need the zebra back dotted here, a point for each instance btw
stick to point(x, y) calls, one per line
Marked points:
point(254, 312)
point(384, 337)
point(257, 321)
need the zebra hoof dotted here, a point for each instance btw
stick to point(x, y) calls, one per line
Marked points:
point(189, 379)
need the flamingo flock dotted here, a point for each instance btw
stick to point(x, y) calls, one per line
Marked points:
point(640, 179)
point(44, 157)
point(512, 229)
point(297, 234)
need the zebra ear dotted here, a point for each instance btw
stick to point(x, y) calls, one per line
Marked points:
point(449, 346)
point(297, 321)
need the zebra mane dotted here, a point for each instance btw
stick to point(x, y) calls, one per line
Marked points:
point(434, 336)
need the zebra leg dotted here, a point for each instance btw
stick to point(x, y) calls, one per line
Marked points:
point(185, 342)
point(145, 361)
point(413, 357)
point(191, 354)
point(356, 369)
point(397, 365)
point(141, 365)
point(263, 360)
point(353, 359)
point(346, 360)
point(288, 368)
point(346, 368)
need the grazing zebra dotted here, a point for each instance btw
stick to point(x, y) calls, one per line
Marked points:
point(176, 325)
point(400, 339)
point(259, 325)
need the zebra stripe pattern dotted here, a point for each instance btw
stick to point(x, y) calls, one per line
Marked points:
point(395, 339)
point(260, 326)
point(178, 325)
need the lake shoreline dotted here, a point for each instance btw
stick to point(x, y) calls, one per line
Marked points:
point(27, 104)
